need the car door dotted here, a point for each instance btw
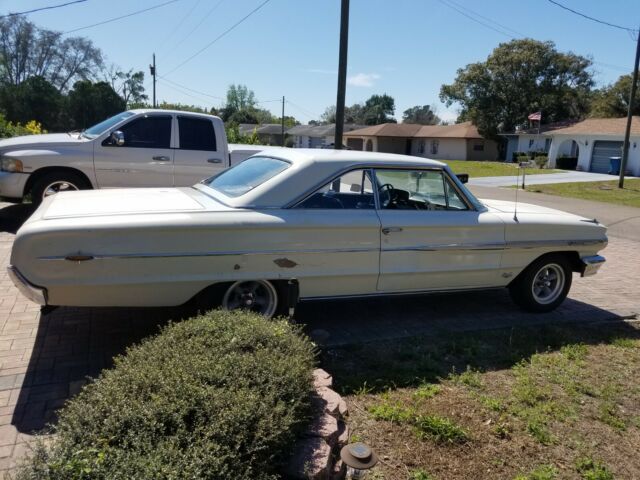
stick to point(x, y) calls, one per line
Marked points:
point(431, 236)
point(197, 156)
point(338, 234)
point(145, 159)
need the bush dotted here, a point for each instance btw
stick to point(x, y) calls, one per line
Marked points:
point(9, 129)
point(541, 161)
point(567, 163)
point(222, 395)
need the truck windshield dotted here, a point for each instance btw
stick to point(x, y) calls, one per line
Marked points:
point(93, 132)
point(246, 176)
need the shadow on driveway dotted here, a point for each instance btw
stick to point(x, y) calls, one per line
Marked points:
point(13, 216)
point(75, 343)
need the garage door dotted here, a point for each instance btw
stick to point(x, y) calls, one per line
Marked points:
point(602, 152)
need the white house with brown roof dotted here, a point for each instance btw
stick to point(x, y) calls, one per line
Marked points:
point(442, 142)
point(594, 141)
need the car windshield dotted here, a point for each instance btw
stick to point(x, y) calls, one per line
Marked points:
point(246, 176)
point(98, 129)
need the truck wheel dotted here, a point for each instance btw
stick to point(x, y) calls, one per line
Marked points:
point(543, 285)
point(54, 182)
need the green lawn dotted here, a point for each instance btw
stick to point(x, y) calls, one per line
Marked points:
point(491, 169)
point(598, 191)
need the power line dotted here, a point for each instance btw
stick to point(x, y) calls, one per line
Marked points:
point(228, 30)
point(191, 89)
point(213, 9)
point(309, 113)
point(593, 19)
point(178, 25)
point(42, 8)
point(179, 90)
point(121, 17)
point(451, 4)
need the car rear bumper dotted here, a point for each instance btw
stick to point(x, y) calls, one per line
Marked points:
point(33, 293)
point(591, 265)
point(12, 184)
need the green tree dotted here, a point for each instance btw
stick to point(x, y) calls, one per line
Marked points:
point(33, 99)
point(423, 115)
point(239, 98)
point(613, 100)
point(379, 109)
point(129, 85)
point(27, 50)
point(520, 77)
point(90, 103)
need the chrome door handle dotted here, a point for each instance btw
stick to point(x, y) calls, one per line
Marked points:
point(214, 160)
point(388, 230)
point(161, 158)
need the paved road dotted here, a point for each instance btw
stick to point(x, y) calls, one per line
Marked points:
point(563, 177)
point(45, 357)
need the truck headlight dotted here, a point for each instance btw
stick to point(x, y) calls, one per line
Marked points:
point(10, 165)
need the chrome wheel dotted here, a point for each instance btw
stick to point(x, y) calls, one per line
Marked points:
point(58, 186)
point(257, 296)
point(548, 284)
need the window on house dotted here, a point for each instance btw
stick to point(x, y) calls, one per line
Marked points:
point(421, 147)
point(531, 143)
point(478, 147)
point(547, 144)
point(434, 147)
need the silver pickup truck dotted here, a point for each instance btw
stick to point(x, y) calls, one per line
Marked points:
point(136, 148)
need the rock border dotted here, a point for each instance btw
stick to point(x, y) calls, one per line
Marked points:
point(316, 454)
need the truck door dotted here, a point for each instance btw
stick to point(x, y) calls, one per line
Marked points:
point(144, 160)
point(199, 154)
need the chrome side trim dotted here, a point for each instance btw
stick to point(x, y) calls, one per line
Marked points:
point(215, 254)
point(386, 293)
point(414, 248)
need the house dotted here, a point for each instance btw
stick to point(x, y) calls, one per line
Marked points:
point(316, 136)
point(594, 141)
point(442, 142)
point(268, 133)
point(531, 139)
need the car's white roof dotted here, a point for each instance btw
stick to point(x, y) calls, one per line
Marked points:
point(160, 110)
point(312, 168)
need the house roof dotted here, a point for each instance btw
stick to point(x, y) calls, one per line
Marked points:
point(600, 126)
point(458, 130)
point(320, 130)
point(548, 127)
point(266, 128)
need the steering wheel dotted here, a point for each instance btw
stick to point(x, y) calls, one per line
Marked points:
point(391, 195)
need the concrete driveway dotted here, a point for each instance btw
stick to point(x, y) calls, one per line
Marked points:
point(46, 357)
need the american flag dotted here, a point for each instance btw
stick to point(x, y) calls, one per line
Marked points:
point(535, 116)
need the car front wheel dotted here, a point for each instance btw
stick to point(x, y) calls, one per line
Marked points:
point(56, 182)
point(259, 296)
point(543, 285)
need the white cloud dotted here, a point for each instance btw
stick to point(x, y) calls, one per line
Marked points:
point(363, 79)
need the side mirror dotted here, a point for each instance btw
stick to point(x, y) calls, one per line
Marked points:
point(463, 177)
point(117, 138)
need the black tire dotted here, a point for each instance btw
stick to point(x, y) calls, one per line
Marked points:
point(74, 180)
point(534, 289)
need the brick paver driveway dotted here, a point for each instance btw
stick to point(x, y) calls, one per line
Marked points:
point(45, 357)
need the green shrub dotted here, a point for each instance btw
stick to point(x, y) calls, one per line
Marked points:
point(439, 429)
point(592, 470)
point(541, 161)
point(222, 395)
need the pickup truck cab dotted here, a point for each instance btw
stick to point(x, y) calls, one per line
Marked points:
point(136, 148)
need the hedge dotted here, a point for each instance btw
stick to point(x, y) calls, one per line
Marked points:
point(222, 395)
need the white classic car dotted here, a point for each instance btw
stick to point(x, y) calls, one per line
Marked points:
point(289, 225)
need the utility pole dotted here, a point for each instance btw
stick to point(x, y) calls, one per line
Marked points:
point(627, 132)
point(152, 68)
point(283, 120)
point(342, 74)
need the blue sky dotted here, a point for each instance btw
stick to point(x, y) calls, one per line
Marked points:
point(405, 48)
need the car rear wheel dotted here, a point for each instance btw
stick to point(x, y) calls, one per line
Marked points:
point(56, 182)
point(543, 285)
point(259, 296)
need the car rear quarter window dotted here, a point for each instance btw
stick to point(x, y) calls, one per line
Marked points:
point(148, 132)
point(196, 134)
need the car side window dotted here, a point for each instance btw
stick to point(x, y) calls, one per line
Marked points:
point(196, 134)
point(417, 190)
point(148, 132)
point(353, 190)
